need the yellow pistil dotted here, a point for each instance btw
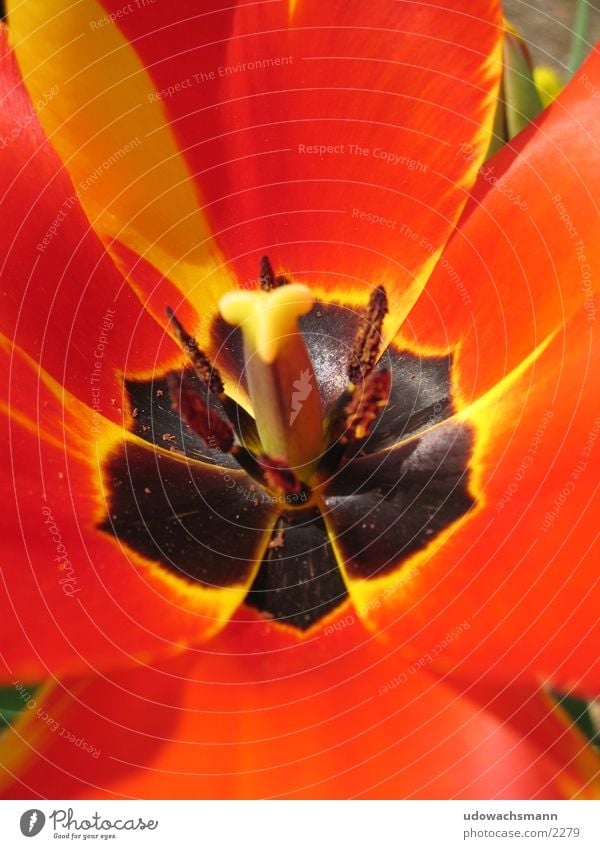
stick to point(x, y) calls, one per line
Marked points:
point(281, 380)
point(267, 318)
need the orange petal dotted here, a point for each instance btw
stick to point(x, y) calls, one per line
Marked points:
point(519, 569)
point(524, 255)
point(315, 132)
point(340, 718)
point(339, 151)
point(72, 597)
point(517, 575)
point(96, 104)
point(63, 301)
point(337, 127)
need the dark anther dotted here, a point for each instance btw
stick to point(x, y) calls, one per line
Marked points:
point(367, 401)
point(267, 277)
point(367, 341)
point(209, 426)
point(268, 280)
point(200, 362)
point(218, 434)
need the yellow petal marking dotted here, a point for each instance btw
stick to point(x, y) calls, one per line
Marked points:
point(100, 109)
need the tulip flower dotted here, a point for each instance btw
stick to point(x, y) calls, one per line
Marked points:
point(301, 428)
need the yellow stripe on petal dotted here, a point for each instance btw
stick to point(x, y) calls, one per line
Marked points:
point(100, 109)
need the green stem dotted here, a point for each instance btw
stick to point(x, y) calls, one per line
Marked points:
point(579, 42)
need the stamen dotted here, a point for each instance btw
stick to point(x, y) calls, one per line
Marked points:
point(200, 362)
point(278, 476)
point(367, 401)
point(268, 280)
point(242, 421)
point(218, 433)
point(209, 426)
point(368, 337)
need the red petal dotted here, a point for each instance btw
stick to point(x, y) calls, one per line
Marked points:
point(96, 104)
point(254, 96)
point(62, 299)
point(278, 720)
point(540, 719)
point(72, 598)
point(520, 568)
point(523, 257)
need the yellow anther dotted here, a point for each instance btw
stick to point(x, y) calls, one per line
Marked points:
point(267, 319)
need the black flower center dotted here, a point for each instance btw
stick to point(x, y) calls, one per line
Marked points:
point(210, 516)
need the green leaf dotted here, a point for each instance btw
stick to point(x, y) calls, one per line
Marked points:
point(519, 100)
point(578, 711)
point(499, 130)
point(521, 97)
point(579, 42)
point(13, 701)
